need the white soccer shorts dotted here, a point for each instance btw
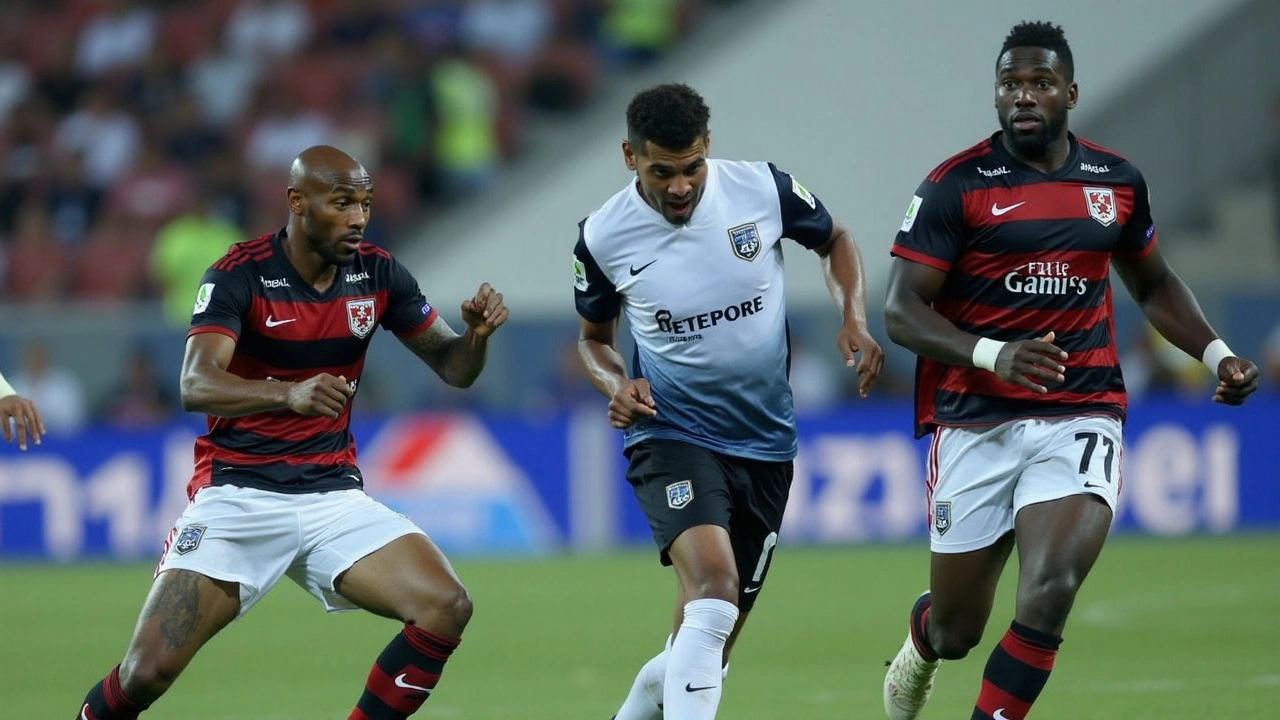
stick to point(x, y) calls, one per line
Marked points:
point(979, 478)
point(255, 537)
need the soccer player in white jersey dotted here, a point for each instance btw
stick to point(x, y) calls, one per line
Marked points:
point(690, 250)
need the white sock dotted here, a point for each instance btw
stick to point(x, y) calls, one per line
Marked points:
point(691, 690)
point(644, 702)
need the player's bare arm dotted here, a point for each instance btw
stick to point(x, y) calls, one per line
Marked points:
point(207, 387)
point(842, 268)
point(459, 359)
point(20, 419)
point(1172, 310)
point(629, 400)
point(914, 324)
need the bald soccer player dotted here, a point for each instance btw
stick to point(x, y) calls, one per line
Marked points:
point(278, 337)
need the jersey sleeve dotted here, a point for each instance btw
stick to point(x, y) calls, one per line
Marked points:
point(1138, 236)
point(408, 312)
point(804, 218)
point(597, 298)
point(222, 300)
point(933, 231)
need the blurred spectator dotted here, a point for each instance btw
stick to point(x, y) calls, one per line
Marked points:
point(183, 250)
point(156, 86)
point(73, 202)
point(15, 79)
point(111, 265)
point(23, 147)
point(120, 36)
point(35, 267)
point(223, 179)
point(466, 140)
point(399, 85)
point(356, 24)
point(107, 137)
point(269, 29)
point(512, 30)
point(635, 32)
point(282, 130)
point(55, 390)
point(60, 85)
point(141, 399)
point(223, 82)
point(187, 135)
point(155, 190)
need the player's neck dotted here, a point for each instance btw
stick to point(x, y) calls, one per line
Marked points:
point(310, 266)
point(1054, 157)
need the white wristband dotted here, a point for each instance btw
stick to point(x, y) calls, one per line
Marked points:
point(986, 352)
point(5, 388)
point(1214, 354)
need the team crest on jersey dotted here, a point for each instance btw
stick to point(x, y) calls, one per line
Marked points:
point(1102, 204)
point(360, 316)
point(679, 494)
point(942, 517)
point(746, 241)
point(188, 539)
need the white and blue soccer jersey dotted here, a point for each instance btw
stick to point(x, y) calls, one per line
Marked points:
point(705, 304)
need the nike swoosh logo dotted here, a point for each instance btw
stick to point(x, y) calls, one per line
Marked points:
point(690, 688)
point(84, 712)
point(273, 323)
point(753, 588)
point(998, 211)
point(401, 683)
point(1000, 715)
point(1094, 485)
point(637, 270)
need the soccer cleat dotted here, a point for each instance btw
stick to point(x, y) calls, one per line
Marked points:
point(908, 683)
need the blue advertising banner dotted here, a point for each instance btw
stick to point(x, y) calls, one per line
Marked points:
point(502, 485)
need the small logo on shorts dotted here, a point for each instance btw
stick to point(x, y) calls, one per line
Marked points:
point(188, 539)
point(942, 517)
point(679, 494)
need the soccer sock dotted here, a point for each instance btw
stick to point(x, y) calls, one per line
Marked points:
point(644, 702)
point(691, 689)
point(404, 675)
point(1016, 673)
point(919, 628)
point(106, 701)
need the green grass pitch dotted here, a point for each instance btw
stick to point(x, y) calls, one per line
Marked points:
point(1181, 628)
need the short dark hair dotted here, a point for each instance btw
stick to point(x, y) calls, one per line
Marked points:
point(671, 116)
point(1041, 35)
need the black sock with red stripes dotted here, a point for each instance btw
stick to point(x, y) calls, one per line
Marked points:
point(404, 675)
point(919, 625)
point(1016, 673)
point(106, 701)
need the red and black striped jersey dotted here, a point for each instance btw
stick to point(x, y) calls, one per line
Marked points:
point(1026, 252)
point(286, 330)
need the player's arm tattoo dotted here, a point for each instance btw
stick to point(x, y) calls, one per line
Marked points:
point(178, 606)
point(457, 361)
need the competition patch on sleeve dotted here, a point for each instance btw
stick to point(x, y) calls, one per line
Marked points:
point(912, 209)
point(579, 275)
point(803, 193)
point(203, 296)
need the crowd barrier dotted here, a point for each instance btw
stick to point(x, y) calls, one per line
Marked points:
point(483, 484)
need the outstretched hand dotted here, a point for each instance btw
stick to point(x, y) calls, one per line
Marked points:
point(19, 417)
point(852, 340)
point(1237, 379)
point(632, 402)
point(484, 312)
point(1032, 363)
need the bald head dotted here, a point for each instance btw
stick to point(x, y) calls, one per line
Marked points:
point(321, 167)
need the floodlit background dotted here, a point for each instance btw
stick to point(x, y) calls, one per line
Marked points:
point(138, 139)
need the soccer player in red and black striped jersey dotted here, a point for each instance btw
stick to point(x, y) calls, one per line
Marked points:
point(274, 355)
point(1000, 285)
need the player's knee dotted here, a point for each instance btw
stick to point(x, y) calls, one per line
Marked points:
point(143, 680)
point(1046, 602)
point(450, 606)
point(953, 643)
point(721, 586)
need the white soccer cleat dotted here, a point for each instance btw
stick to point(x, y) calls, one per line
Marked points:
point(908, 683)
